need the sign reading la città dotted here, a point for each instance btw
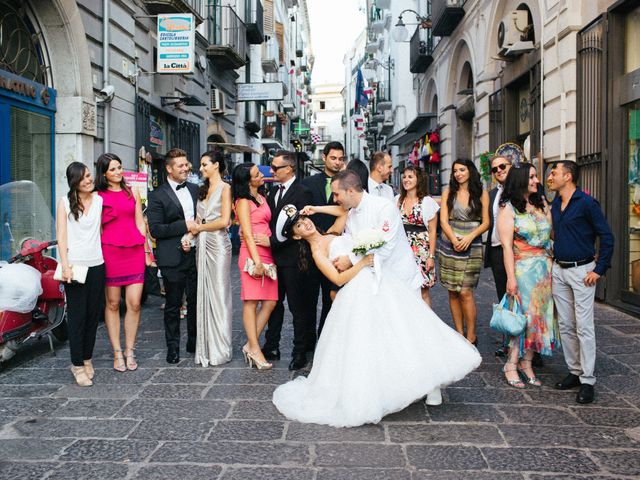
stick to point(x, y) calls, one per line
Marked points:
point(176, 39)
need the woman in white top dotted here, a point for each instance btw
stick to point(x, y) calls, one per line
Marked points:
point(420, 223)
point(78, 222)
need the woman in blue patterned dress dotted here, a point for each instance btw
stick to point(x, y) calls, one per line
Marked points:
point(524, 225)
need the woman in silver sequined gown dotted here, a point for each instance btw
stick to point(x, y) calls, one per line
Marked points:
point(213, 250)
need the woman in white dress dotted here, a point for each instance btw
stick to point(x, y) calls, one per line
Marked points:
point(379, 352)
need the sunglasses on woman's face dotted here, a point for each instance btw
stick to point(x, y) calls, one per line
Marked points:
point(502, 166)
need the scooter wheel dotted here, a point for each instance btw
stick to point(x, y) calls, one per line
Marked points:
point(61, 332)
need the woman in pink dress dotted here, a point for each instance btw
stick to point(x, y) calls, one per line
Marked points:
point(125, 256)
point(254, 216)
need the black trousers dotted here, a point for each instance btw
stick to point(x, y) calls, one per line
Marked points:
point(293, 284)
point(85, 309)
point(177, 281)
point(496, 260)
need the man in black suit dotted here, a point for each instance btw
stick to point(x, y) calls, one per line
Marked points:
point(292, 282)
point(171, 214)
point(320, 186)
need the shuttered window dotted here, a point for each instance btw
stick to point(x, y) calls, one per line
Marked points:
point(280, 38)
point(268, 17)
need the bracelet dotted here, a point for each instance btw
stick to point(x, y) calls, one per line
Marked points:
point(147, 252)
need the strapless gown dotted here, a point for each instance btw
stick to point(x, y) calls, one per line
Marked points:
point(378, 353)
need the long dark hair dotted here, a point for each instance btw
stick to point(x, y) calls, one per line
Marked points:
point(516, 189)
point(360, 168)
point(75, 173)
point(422, 187)
point(475, 188)
point(215, 156)
point(102, 167)
point(240, 180)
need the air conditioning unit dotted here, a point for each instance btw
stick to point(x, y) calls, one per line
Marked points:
point(217, 101)
point(511, 30)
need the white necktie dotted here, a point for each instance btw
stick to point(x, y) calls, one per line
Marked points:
point(379, 189)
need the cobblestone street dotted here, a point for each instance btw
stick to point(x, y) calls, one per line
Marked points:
point(189, 422)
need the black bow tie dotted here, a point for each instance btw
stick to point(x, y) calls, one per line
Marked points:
point(181, 185)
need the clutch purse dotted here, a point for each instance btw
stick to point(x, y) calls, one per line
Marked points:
point(508, 319)
point(269, 269)
point(78, 273)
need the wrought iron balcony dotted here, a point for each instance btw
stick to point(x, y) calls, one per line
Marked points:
point(227, 38)
point(383, 98)
point(420, 50)
point(446, 15)
point(255, 23)
point(155, 7)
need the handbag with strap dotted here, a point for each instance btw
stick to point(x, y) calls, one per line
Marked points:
point(78, 273)
point(508, 318)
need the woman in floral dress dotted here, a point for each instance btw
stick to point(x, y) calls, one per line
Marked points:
point(420, 222)
point(524, 225)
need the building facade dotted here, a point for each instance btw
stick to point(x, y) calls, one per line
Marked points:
point(558, 77)
point(327, 105)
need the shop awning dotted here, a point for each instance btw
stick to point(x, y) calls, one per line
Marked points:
point(414, 129)
point(233, 147)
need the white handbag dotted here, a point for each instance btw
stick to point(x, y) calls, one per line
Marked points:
point(78, 273)
point(269, 269)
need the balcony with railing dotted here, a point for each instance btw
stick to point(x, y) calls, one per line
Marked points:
point(194, 7)
point(420, 50)
point(270, 56)
point(227, 37)
point(446, 15)
point(383, 98)
point(255, 23)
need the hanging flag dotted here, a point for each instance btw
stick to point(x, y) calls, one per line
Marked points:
point(361, 98)
point(292, 71)
point(303, 101)
point(367, 89)
point(315, 138)
point(299, 92)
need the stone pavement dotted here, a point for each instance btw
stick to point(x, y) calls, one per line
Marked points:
point(189, 422)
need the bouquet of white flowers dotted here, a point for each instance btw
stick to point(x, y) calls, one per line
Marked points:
point(367, 240)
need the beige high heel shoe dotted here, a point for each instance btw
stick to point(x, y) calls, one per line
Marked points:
point(82, 379)
point(245, 354)
point(259, 365)
point(88, 367)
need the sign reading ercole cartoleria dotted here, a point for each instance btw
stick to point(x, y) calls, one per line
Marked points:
point(248, 92)
point(176, 40)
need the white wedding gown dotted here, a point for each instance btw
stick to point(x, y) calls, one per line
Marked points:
point(378, 353)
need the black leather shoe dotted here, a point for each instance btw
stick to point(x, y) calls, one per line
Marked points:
point(298, 361)
point(585, 394)
point(271, 354)
point(569, 382)
point(537, 361)
point(173, 355)
point(191, 346)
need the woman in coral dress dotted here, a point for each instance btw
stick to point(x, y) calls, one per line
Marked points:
point(257, 288)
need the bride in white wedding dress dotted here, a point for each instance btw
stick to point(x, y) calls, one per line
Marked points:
point(378, 353)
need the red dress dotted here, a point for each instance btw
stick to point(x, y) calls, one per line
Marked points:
point(122, 243)
point(257, 288)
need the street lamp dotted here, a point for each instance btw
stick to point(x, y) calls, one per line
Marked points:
point(374, 62)
point(400, 32)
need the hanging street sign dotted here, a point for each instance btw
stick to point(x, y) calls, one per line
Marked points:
point(176, 41)
point(249, 92)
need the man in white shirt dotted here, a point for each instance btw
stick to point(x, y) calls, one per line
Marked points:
point(380, 168)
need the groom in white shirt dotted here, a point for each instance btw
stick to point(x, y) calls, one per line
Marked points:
point(372, 212)
point(367, 211)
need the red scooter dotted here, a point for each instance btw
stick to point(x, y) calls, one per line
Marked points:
point(49, 315)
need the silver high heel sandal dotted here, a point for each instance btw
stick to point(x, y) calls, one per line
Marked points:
point(259, 365)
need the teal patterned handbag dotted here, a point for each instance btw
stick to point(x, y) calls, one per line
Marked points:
point(508, 319)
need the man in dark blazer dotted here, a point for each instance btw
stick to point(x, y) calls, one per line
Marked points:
point(292, 282)
point(171, 214)
point(320, 186)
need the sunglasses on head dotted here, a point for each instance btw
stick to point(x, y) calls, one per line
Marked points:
point(502, 166)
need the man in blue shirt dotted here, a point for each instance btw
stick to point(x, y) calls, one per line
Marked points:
point(577, 222)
